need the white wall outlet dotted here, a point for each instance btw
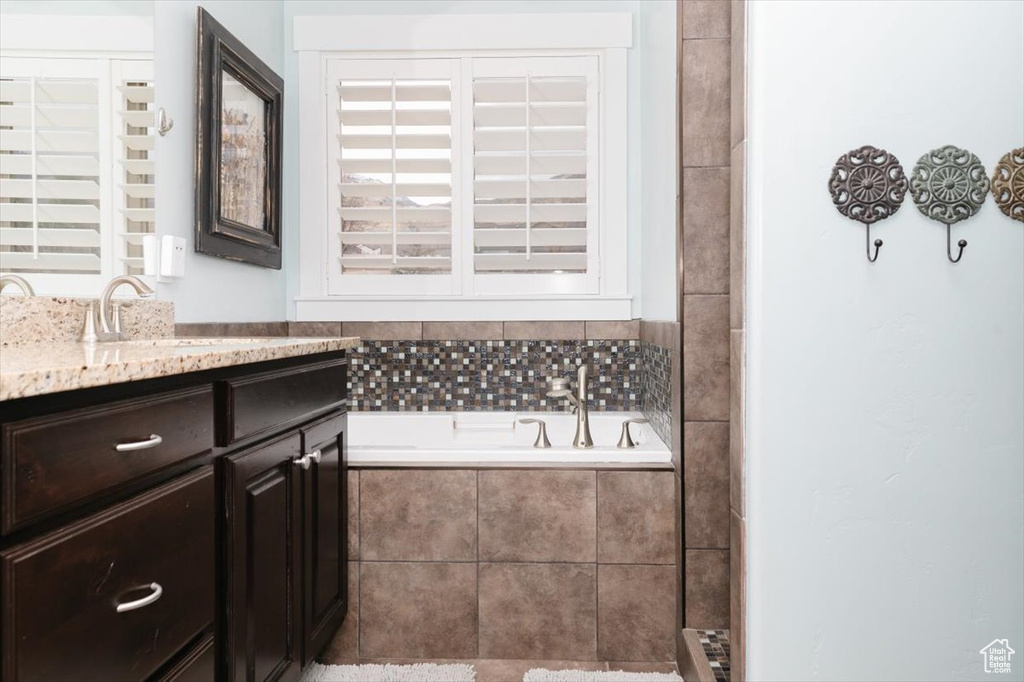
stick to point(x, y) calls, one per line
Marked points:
point(172, 256)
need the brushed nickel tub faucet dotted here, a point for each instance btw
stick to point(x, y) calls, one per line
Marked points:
point(560, 389)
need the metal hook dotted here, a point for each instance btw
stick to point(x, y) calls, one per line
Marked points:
point(164, 123)
point(949, 246)
point(878, 245)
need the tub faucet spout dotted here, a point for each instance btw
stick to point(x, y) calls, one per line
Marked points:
point(560, 389)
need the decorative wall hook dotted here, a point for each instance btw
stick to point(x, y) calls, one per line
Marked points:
point(1008, 184)
point(949, 184)
point(949, 246)
point(868, 185)
point(163, 122)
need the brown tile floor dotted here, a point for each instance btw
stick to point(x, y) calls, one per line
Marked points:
point(505, 670)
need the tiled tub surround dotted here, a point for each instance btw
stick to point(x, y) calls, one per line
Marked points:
point(496, 365)
point(490, 375)
point(656, 388)
point(510, 564)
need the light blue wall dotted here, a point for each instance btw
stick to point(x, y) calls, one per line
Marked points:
point(213, 289)
point(651, 135)
point(659, 146)
point(885, 477)
point(78, 7)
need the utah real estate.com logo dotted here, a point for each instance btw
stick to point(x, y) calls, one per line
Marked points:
point(997, 656)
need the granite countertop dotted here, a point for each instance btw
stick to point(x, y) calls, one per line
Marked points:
point(41, 368)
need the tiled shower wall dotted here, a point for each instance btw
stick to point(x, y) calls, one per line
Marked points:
point(706, 144)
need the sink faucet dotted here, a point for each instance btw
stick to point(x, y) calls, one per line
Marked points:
point(110, 325)
point(560, 389)
point(25, 287)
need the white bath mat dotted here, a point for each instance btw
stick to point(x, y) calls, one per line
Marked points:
point(419, 672)
point(545, 675)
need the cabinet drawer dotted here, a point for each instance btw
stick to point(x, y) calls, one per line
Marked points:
point(260, 402)
point(55, 461)
point(62, 591)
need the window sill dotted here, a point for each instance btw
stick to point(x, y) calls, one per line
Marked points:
point(452, 309)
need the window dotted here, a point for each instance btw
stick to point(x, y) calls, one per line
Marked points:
point(76, 169)
point(473, 184)
point(535, 166)
point(392, 140)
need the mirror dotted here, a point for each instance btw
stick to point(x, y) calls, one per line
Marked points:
point(78, 122)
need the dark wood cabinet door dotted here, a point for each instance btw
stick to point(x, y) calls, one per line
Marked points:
point(263, 506)
point(325, 535)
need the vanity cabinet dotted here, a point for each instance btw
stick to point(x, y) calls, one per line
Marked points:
point(215, 552)
point(285, 551)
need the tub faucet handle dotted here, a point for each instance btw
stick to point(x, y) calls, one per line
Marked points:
point(542, 433)
point(625, 442)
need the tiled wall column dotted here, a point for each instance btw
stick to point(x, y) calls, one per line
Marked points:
point(704, 62)
point(737, 343)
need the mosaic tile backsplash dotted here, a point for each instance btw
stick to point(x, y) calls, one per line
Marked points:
point(656, 388)
point(489, 375)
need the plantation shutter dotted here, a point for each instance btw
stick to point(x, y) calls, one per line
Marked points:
point(392, 124)
point(136, 172)
point(534, 173)
point(76, 169)
point(52, 165)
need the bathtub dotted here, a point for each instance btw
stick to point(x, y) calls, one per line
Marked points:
point(496, 439)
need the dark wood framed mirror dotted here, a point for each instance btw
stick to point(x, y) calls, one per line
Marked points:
point(238, 150)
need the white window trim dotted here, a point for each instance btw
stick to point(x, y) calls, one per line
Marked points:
point(72, 34)
point(318, 39)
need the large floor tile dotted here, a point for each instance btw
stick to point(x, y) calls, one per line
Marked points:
point(418, 610)
point(538, 516)
point(707, 589)
point(417, 515)
point(636, 612)
point(535, 611)
point(636, 517)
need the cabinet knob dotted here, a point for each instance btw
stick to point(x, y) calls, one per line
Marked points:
point(303, 462)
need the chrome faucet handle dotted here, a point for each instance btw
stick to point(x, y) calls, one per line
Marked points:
point(89, 334)
point(559, 383)
point(542, 433)
point(115, 317)
point(625, 442)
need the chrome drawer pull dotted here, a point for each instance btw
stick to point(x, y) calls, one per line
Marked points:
point(145, 601)
point(315, 456)
point(151, 442)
